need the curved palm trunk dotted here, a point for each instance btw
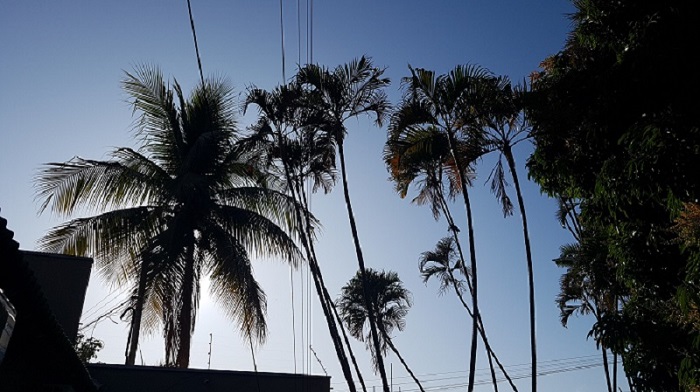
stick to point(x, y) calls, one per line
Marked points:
point(489, 349)
point(185, 320)
point(361, 262)
point(493, 372)
point(136, 316)
point(347, 344)
point(331, 306)
point(491, 355)
point(472, 257)
point(530, 275)
point(403, 362)
point(315, 269)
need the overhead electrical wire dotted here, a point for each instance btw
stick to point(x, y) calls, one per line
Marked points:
point(304, 273)
point(196, 47)
point(520, 371)
point(95, 310)
point(92, 311)
point(112, 312)
point(284, 76)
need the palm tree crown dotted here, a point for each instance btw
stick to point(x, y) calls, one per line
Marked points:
point(391, 302)
point(454, 105)
point(185, 204)
point(345, 92)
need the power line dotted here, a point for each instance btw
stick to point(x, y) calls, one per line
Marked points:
point(284, 76)
point(525, 366)
point(519, 371)
point(108, 314)
point(86, 313)
point(196, 47)
point(94, 311)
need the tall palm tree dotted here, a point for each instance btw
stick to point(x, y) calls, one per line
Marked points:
point(390, 304)
point(441, 263)
point(421, 156)
point(451, 104)
point(345, 92)
point(504, 128)
point(286, 137)
point(183, 205)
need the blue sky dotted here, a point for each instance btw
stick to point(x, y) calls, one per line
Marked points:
point(61, 64)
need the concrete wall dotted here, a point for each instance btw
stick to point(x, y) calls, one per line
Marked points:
point(120, 378)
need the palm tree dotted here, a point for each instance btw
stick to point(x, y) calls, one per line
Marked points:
point(588, 287)
point(451, 104)
point(184, 205)
point(421, 156)
point(441, 264)
point(505, 127)
point(287, 139)
point(390, 304)
point(348, 91)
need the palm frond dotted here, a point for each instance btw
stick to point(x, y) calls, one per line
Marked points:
point(499, 184)
point(258, 234)
point(96, 185)
point(273, 205)
point(159, 125)
point(390, 301)
point(234, 286)
point(110, 238)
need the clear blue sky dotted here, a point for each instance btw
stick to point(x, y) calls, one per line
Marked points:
point(60, 67)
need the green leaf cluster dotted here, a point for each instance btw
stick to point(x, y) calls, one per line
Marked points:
point(615, 126)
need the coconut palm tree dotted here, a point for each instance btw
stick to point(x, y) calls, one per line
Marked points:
point(287, 138)
point(345, 92)
point(390, 304)
point(451, 104)
point(185, 204)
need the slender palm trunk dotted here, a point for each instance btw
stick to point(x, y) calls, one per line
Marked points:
point(331, 306)
point(403, 362)
point(482, 332)
point(607, 370)
point(361, 262)
point(614, 372)
point(491, 355)
point(185, 321)
point(493, 372)
point(472, 257)
point(528, 253)
point(303, 222)
point(136, 316)
point(347, 344)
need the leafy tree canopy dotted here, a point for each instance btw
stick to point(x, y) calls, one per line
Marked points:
point(616, 131)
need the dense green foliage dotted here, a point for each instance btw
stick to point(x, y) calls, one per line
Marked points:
point(615, 124)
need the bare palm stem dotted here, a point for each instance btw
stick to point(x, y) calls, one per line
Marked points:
point(528, 253)
point(472, 256)
point(361, 262)
point(403, 362)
